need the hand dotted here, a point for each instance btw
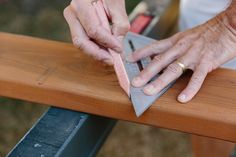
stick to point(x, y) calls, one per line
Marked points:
point(201, 49)
point(87, 32)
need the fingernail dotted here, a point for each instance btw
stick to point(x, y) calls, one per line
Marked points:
point(120, 38)
point(129, 58)
point(137, 82)
point(118, 49)
point(182, 98)
point(119, 46)
point(149, 90)
point(108, 61)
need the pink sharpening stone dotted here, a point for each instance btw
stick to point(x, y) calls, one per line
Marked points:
point(118, 62)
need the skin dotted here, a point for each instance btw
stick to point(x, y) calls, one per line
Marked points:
point(201, 49)
point(87, 31)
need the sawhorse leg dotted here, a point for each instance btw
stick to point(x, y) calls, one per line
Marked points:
point(209, 147)
point(64, 133)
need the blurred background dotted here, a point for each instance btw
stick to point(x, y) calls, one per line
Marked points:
point(44, 19)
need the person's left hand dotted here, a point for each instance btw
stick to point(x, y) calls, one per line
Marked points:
point(201, 49)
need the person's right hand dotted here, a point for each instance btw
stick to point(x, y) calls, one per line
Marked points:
point(87, 32)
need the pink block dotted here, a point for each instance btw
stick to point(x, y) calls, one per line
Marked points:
point(118, 62)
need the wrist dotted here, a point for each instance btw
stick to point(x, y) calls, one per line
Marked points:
point(229, 17)
point(225, 22)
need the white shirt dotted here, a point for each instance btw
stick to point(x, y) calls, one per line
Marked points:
point(196, 12)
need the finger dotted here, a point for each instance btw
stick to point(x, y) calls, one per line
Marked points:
point(155, 48)
point(160, 62)
point(81, 40)
point(149, 72)
point(118, 16)
point(93, 26)
point(179, 42)
point(193, 55)
point(193, 87)
point(100, 10)
point(172, 72)
point(92, 49)
point(194, 84)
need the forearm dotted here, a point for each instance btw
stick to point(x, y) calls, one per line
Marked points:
point(228, 17)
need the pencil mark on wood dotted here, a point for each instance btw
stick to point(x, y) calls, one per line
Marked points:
point(83, 85)
point(45, 75)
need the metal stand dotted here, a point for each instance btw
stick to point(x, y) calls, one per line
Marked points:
point(64, 133)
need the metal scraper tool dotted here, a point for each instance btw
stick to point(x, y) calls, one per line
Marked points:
point(140, 101)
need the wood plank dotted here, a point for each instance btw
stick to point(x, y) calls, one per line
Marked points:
point(56, 73)
point(209, 147)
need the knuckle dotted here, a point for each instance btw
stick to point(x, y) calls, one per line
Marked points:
point(158, 58)
point(207, 65)
point(159, 83)
point(124, 26)
point(196, 81)
point(73, 5)
point(182, 42)
point(66, 12)
point(78, 43)
point(144, 74)
point(121, 28)
point(174, 68)
point(173, 39)
point(151, 49)
point(147, 74)
point(98, 57)
point(205, 60)
point(92, 32)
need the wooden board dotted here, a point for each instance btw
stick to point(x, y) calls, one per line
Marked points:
point(209, 147)
point(57, 74)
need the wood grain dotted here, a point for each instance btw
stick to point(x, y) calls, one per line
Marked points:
point(209, 147)
point(55, 73)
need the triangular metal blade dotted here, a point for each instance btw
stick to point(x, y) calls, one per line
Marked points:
point(141, 102)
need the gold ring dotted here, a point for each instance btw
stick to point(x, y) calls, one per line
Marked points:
point(183, 67)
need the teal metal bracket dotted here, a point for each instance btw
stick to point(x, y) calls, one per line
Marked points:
point(64, 133)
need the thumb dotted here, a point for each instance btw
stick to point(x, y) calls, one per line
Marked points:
point(118, 16)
